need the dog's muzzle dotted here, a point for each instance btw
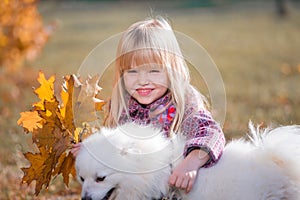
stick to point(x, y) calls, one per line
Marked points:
point(107, 196)
point(173, 194)
point(86, 198)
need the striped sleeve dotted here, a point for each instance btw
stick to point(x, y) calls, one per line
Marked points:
point(203, 132)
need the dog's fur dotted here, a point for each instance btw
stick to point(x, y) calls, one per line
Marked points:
point(134, 163)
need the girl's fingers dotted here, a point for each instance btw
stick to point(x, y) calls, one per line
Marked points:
point(74, 152)
point(172, 180)
point(190, 185)
point(77, 145)
point(185, 183)
point(75, 149)
point(179, 181)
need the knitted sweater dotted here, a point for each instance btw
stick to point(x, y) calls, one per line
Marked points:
point(200, 129)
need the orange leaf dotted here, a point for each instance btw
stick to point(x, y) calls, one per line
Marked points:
point(98, 104)
point(30, 120)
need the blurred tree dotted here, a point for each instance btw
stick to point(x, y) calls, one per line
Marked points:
point(282, 7)
point(22, 33)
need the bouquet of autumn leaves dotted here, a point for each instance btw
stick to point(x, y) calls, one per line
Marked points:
point(56, 126)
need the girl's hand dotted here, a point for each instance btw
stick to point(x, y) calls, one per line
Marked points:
point(185, 174)
point(75, 149)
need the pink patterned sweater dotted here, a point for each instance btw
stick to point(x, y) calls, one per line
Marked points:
point(200, 129)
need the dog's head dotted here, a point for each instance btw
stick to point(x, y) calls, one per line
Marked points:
point(96, 185)
point(129, 162)
point(98, 182)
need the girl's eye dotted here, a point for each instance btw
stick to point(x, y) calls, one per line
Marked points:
point(100, 179)
point(131, 71)
point(154, 71)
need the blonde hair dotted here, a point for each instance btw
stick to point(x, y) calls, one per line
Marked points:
point(150, 41)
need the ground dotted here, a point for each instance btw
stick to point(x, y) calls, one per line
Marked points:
point(256, 52)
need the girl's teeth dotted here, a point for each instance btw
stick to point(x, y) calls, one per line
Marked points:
point(144, 91)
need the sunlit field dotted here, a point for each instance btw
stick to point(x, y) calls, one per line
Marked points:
point(256, 51)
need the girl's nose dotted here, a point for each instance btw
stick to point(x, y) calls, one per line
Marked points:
point(143, 78)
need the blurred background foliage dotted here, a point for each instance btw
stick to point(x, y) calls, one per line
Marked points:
point(255, 44)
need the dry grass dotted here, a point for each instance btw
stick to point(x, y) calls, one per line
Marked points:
point(256, 52)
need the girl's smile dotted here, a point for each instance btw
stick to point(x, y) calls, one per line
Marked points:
point(144, 91)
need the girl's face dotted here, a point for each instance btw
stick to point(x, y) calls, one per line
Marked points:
point(146, 83)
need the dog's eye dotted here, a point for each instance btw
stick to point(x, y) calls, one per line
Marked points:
point(82, 179)
point(100, 179)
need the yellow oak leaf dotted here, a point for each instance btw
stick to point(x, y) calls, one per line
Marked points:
point(46, 90)
point(30, 120)
point(77, 132)
point(66, 109)
point(99, 103)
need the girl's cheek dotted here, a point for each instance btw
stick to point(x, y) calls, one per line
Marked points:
point(130, 86)
point(128, 81)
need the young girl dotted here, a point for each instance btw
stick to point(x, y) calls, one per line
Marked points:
point(152, 86)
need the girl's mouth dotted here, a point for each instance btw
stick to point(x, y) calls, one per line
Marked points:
point(144, 91)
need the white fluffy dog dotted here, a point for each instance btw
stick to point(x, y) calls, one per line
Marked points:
point(134, 163)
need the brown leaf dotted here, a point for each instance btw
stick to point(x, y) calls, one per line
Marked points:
point(66, 167)
point(86, 102)
point(39, 169)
